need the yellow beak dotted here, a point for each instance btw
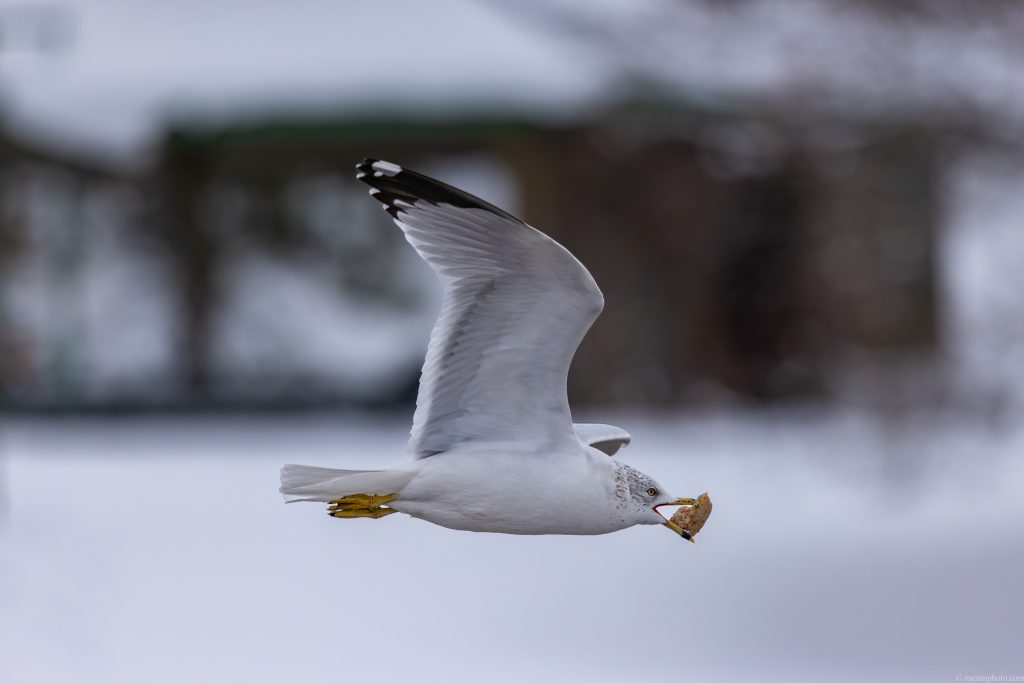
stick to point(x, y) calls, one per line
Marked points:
point(679, 530)
point(675, 527)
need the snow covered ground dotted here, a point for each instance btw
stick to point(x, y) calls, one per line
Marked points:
point(842, 547)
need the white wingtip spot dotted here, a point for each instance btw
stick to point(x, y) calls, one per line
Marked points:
point(360, 175)
point(374, 191)
point(386, 168)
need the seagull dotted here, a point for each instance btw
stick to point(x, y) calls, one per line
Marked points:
point(493, 447)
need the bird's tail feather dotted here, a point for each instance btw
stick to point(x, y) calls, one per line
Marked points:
point(302, 482)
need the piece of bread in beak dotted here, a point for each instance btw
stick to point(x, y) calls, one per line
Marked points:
point(692, 518)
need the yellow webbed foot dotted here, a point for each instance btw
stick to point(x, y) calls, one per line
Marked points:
point(352, 514)
point(362, 500)
point(361, 505)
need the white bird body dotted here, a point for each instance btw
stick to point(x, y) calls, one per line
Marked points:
point(477, 487)
point(493, 447)
point(570, 493)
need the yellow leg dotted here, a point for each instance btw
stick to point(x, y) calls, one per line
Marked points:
point(362, 500)
point(352, 514)
point(361, 505)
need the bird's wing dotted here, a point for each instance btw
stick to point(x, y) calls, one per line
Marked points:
point(516, 305)
point(605, 438)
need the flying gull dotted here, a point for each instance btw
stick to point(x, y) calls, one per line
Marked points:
point(493, 446)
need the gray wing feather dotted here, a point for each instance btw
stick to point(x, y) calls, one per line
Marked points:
point(515, 307)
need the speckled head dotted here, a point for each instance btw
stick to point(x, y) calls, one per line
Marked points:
point(638, 497)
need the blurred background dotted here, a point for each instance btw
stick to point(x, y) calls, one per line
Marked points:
point(807, 218)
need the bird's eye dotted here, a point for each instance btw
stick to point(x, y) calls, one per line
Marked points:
point(652, 492)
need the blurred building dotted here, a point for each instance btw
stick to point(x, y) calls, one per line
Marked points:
point(752, 238)
point(247, 266)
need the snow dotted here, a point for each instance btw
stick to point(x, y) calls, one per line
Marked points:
point(89, 301)
point(286, 323)
point(981, 254)
point(842, 58)
point(128, 67)
point(840, 548)
point(133, 66)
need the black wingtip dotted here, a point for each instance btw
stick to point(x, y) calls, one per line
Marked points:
point(364, 167)
point(377, 168)
point(392, 184)
point(388, 184)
